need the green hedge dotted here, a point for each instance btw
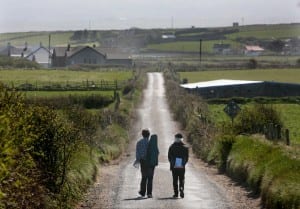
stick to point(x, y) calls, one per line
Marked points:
point(17, 63)
point(273, 171)
point(49, 157)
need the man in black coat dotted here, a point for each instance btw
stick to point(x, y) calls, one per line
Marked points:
point(178, 156)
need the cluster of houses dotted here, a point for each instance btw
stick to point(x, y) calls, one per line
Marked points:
point(290, 47)
point(248, 50)
point(67, 56)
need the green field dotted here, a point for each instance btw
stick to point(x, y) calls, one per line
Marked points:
point(35, 38)
point(267, 31)
point(190, 46)
point(280, 75)
point(37, 94)
point(290, 114)
point(60, 76)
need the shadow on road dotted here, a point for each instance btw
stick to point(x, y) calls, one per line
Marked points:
point(167, 198)
point(135, 198)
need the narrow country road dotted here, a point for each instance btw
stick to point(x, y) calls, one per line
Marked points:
point(119, 184)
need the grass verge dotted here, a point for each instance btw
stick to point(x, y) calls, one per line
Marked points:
point(268, 169)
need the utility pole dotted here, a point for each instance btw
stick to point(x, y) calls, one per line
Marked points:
point(200, 52)
point(49, 48)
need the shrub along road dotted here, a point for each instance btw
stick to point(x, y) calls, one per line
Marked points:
point(118, 183)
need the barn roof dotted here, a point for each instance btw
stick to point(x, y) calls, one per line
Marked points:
point(254, 48)
point(214, 83)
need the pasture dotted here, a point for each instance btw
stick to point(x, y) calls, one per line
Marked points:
point(49, 94)
point(190, 46)
point(17, 77)
point(290, 114)
point(266, 31)
point(35, 38)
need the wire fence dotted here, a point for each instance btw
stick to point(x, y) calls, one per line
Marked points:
point(87, 85)
point(277, 132)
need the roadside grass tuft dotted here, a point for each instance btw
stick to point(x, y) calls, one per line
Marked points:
point(267, 170)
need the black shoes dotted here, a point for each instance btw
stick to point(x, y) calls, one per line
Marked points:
point(181, 194)
point(142, 194)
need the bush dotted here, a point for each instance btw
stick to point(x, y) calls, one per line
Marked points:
point(127, 89)
point(252, 64)
point(20, 177)
point(192, 115)
point(14, 62)
point(36, 147)
point(222, 150)
point(61, 102)
point(298, 62)
point(253, 119)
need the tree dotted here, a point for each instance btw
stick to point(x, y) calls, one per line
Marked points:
point(276, 45)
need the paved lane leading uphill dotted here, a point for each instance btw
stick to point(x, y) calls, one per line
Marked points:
point(118, 184)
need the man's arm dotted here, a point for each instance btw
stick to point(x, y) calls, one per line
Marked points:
point(169, 154)
point(187, 154)
point(137, 151)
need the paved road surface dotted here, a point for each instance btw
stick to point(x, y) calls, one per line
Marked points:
point(199, 191)
point(118, 184)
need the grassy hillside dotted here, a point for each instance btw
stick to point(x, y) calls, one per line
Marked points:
point(190, 46)
point(226, 35)
point(211, 36)
point(267, 31)
point(35, 38)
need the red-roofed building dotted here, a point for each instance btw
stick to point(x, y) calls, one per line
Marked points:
point(253, 50)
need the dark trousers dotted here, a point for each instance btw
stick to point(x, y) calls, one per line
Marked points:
point(178, 175)
point(147, 179)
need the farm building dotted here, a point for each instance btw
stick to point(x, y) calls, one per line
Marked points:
point(240, 88)
point(168, 36)
point(222, 49)
point(13, 51)
point(253, 50)
point(40, 55)
point(66, 56)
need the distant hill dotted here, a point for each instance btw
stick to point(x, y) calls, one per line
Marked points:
point(182, 39)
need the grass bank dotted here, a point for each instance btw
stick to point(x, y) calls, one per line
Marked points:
point(273, 171)
point(270, 169)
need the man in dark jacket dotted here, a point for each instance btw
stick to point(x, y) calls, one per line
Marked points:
point(178, 156)
point(146, 170)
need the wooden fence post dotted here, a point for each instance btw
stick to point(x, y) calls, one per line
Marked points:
point(287, 136)
point(278, 132)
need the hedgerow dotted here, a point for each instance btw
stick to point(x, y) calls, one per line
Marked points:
point(268, 168)
point(50, 155)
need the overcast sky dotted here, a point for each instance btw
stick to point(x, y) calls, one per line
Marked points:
point(33, 15)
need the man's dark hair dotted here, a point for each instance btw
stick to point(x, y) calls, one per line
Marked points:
point(179, 135)
point(145, 133)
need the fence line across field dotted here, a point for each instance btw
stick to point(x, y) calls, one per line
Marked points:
point(68, 85)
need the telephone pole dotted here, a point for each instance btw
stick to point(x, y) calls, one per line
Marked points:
point(200, 51)
point(49, 48)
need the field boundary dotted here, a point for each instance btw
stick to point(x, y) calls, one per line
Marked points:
point(67, 86)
